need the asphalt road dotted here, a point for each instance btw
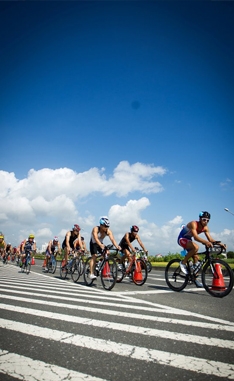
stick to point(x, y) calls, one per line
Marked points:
point(53, 329)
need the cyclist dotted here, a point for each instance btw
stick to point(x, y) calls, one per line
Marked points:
point(191, 231)
point(52, 248)
point(126, 243)
point(69, 241)
point(83, 245)
point(96, 242)
point(27, 245)
point(2, 247)
point(8, 252)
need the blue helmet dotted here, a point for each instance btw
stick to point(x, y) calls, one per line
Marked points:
point(204, 215)
point(104, 221)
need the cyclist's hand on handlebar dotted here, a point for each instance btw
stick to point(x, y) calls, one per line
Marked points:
point(119, 248)
point(209, 244)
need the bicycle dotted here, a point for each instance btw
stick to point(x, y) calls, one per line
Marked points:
point(78, 265)
point(52, 264)
point(144, 256)
point(66, 268)
point(26, 263)
point(136, 270)
point(216, 274)
point(106, 267)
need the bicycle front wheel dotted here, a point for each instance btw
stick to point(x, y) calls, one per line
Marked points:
point(109, 274)
point(149, 266)
point(87, 279)
point(217, 278)
point(175, 278)
point(53, 265)
point(28, 267)
point(140, 272)
point(75, 270)
point(63, 269)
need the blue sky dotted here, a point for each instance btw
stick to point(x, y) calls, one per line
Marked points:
point(117, 108)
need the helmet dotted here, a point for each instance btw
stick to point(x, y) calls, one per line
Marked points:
point(31, 236)
point(56, 239)
point(134, 228)
point(76, 227)
point(1, 236)
point(204, 214)
point(9, 244)
point(104, 221)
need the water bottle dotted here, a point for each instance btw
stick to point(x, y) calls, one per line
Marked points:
point(197, 267)
point(191, 266)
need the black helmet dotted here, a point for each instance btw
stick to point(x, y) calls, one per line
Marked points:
point(204, 215)
point(134, 228)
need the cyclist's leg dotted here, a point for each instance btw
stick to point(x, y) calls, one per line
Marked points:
point(47, 260)
point(94, 250)
point(192, 249)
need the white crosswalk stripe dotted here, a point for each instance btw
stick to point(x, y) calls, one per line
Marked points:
point(28, 301)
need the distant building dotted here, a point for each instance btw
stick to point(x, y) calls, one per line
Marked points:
point(43, 247)
point(158, 255)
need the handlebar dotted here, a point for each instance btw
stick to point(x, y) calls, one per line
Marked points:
point(217, 249)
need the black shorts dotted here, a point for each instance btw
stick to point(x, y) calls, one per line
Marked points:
point(94, 248)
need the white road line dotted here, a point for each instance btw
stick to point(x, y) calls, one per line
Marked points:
point(24, 368)
point(201, 340)
point(195, 364)
point(129, 315)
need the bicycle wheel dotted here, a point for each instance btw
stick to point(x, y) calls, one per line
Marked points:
point(140, 272)
point(28, 267)
point(81, 265)
point(217, 278)
point(75, 270)
point(53, 265)
point(109, 274)
point(149, 266)
point(63, 269)
point(120, 272)
point(175, 278)
point(87, 279)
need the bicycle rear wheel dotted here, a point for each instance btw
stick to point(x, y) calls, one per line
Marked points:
point(109, 274)
point(217, 278)
point(87, 279)
point(63, 269)
point(75, 270)
point(140, 272)
point(175, 278)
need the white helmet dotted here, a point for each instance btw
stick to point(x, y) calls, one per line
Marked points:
point(104, 221)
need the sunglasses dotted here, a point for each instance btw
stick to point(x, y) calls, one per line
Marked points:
point(205, 220)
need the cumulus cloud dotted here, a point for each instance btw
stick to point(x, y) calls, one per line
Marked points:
point(50, 196)
point(48, 202)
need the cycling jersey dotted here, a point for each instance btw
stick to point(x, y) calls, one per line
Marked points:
point(71, 240)
point(2, 245)
point(28, 246)
point(99, 236)
point(123, 242)
point(186, 234)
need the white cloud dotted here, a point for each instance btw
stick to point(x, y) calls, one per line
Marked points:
point(48, 202)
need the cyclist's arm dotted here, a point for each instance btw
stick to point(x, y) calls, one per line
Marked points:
point(112, 238)
point(68, 235)
point(49, 247)
point(129, 243)
point(95, 236)
point(140, 243)
point(196, 236)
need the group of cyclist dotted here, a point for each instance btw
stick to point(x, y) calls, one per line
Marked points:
point(73, 240)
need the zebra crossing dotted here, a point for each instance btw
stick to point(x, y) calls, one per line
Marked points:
point(54, 330)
